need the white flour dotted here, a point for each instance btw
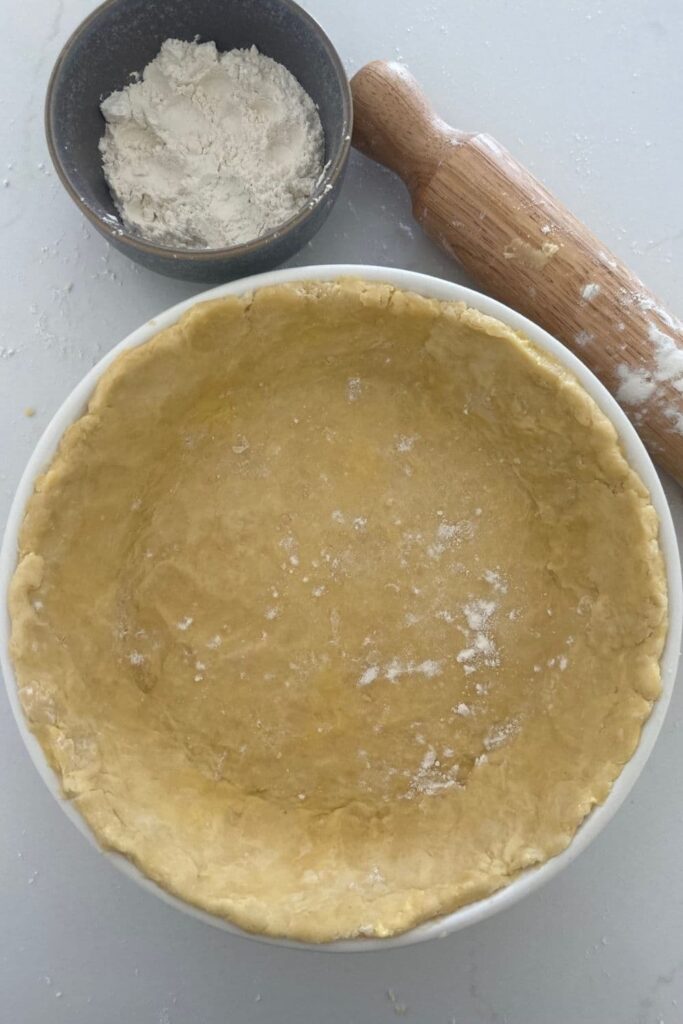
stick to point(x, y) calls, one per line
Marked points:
point(638, 386)
point(590, 291)
point(210, 149)
point(481, 649)
point(500, 734)
point(396, 668)
point(432, 777)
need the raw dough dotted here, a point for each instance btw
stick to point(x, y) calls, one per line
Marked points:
point(338, 608)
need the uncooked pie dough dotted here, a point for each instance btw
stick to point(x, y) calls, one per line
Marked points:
point(338, 608)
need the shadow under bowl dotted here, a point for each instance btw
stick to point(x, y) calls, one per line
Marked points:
point(120, 38)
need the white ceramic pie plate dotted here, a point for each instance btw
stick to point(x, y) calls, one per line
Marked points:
point(636, 454)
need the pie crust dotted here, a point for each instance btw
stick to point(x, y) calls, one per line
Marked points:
point(338, 608)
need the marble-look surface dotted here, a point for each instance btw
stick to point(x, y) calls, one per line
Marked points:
point(589, 95)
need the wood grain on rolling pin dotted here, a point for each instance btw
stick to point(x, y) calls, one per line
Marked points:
point(526, 249)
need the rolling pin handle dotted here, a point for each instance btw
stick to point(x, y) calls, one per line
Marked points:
point(394, 124)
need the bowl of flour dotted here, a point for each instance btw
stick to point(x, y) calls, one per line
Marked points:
point(205, 141)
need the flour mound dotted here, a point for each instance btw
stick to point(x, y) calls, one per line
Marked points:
point(210, 149)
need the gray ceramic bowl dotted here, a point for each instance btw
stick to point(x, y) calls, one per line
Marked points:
point(121, 37)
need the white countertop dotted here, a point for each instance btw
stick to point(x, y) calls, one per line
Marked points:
point(589, 95)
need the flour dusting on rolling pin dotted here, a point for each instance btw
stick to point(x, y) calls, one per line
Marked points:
point(527, 249)
point(210, 149)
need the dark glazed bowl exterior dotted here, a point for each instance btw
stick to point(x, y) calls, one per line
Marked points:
point(121, 37)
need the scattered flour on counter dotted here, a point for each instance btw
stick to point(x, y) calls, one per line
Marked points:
point(398, 1007)
point(210, 149)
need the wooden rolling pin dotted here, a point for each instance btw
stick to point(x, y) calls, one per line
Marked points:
point(525, 248)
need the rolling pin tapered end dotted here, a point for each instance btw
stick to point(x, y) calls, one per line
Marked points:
point(394, 124)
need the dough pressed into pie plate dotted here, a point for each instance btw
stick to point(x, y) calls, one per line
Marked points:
point(338, 608)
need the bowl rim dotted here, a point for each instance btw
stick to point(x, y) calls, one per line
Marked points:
point(329, 178)
point(527, 881)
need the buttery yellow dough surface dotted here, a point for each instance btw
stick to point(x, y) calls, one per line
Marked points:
point(338, 608)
